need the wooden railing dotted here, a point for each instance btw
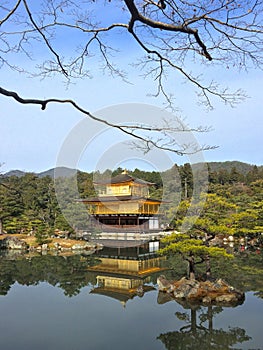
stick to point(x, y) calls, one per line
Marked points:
point(145, 209)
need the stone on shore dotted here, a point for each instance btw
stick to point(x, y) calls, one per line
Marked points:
point(15, 243)
point(193, 291)
point(29, 243)
point(164, 285)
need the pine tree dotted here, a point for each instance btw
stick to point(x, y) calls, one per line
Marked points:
point(10, 201)
point(193, 251)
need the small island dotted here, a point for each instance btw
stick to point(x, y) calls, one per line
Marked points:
point(201, 292)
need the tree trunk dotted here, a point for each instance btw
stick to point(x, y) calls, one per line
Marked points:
point(1, 227)
point(193, 321)
point(191, 267)
point(208, 267)
point(210, 318)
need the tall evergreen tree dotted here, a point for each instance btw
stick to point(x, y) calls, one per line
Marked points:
point(11, 204)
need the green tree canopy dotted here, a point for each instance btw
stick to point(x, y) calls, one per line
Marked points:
point(192, 250)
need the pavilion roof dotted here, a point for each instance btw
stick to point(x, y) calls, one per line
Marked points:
point(123, 178)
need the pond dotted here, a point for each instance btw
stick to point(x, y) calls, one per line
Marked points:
point(93, 302)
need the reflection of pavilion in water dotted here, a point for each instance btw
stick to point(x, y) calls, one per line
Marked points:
point(125, 272)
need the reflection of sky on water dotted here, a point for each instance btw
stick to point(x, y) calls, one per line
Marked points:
point(42, 317)
point(247, 316)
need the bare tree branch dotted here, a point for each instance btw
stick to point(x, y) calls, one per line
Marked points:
point(160, 137)
point(45, 39)
point(169, 33)
point(136, 16)
point(10, 13)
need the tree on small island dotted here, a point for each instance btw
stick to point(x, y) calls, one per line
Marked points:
point(194, 290)
point(194, 251)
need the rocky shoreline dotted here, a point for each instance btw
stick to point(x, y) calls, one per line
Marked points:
point(57, 245)
point(200, 292)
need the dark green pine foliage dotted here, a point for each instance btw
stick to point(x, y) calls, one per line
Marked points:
point(193, 251)
point(11, 203)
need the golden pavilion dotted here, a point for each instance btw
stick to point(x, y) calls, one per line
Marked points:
point(123, 203)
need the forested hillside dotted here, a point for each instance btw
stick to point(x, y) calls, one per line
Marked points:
point(233, 205)
point(242, 168)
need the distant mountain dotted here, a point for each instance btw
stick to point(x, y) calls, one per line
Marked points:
point(242, 168)
point(17, 173)
point(58, 172)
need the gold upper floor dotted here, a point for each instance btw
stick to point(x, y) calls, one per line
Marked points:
point(126, 207)
point(127, 189)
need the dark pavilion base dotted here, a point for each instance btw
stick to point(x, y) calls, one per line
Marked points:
point(125, 223)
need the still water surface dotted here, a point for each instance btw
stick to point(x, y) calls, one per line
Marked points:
point(44, 312)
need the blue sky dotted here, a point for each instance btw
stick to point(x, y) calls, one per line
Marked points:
point(31, 139)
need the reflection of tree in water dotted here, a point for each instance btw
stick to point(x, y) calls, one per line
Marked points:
point(194, 335)
point(68, 273)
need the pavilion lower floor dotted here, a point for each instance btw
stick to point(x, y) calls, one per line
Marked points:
point(126, 222)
